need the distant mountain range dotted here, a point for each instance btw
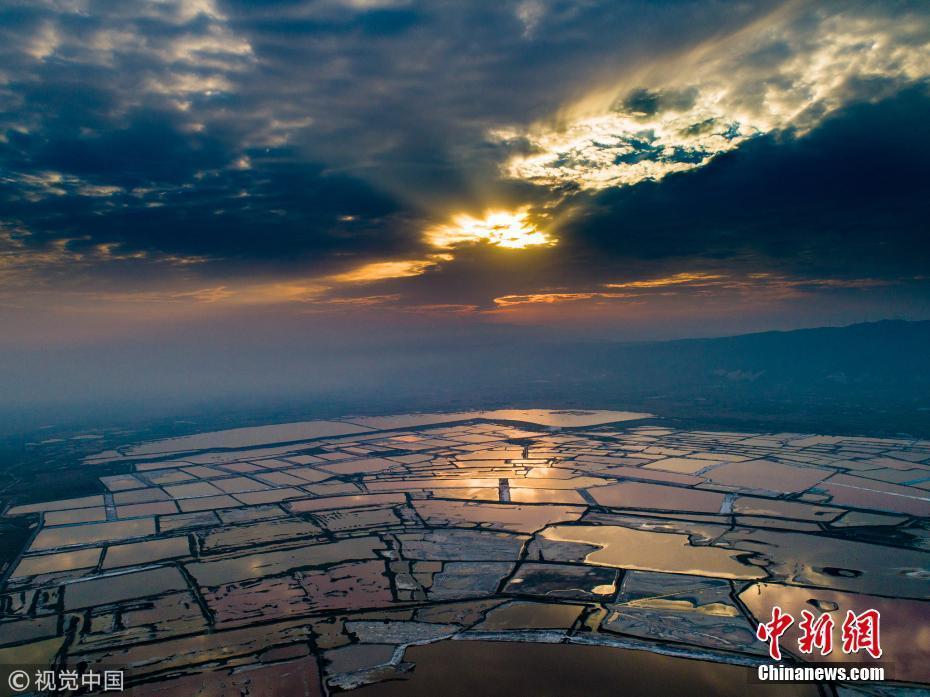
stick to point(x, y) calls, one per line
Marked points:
point(880, 356)
point(869, 378)
point(866, 378)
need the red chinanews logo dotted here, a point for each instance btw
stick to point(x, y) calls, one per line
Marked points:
point(859, 632)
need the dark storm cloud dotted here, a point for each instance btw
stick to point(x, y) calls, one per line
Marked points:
point(319, 136)
point(848, 199)
point(840, 209)
point(274, 210)
point(286, 131)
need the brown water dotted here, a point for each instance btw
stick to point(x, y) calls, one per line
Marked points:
point(488, 669)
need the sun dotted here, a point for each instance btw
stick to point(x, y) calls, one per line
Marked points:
point(501, 228)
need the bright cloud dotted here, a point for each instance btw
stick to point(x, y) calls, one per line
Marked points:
point(383, 270)
point(553, 298)
point(675, 280)
point(786, 71)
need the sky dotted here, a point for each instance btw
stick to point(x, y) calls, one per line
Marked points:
point(229, 172)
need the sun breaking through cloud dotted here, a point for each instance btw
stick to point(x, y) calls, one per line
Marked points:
point(501, 228)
